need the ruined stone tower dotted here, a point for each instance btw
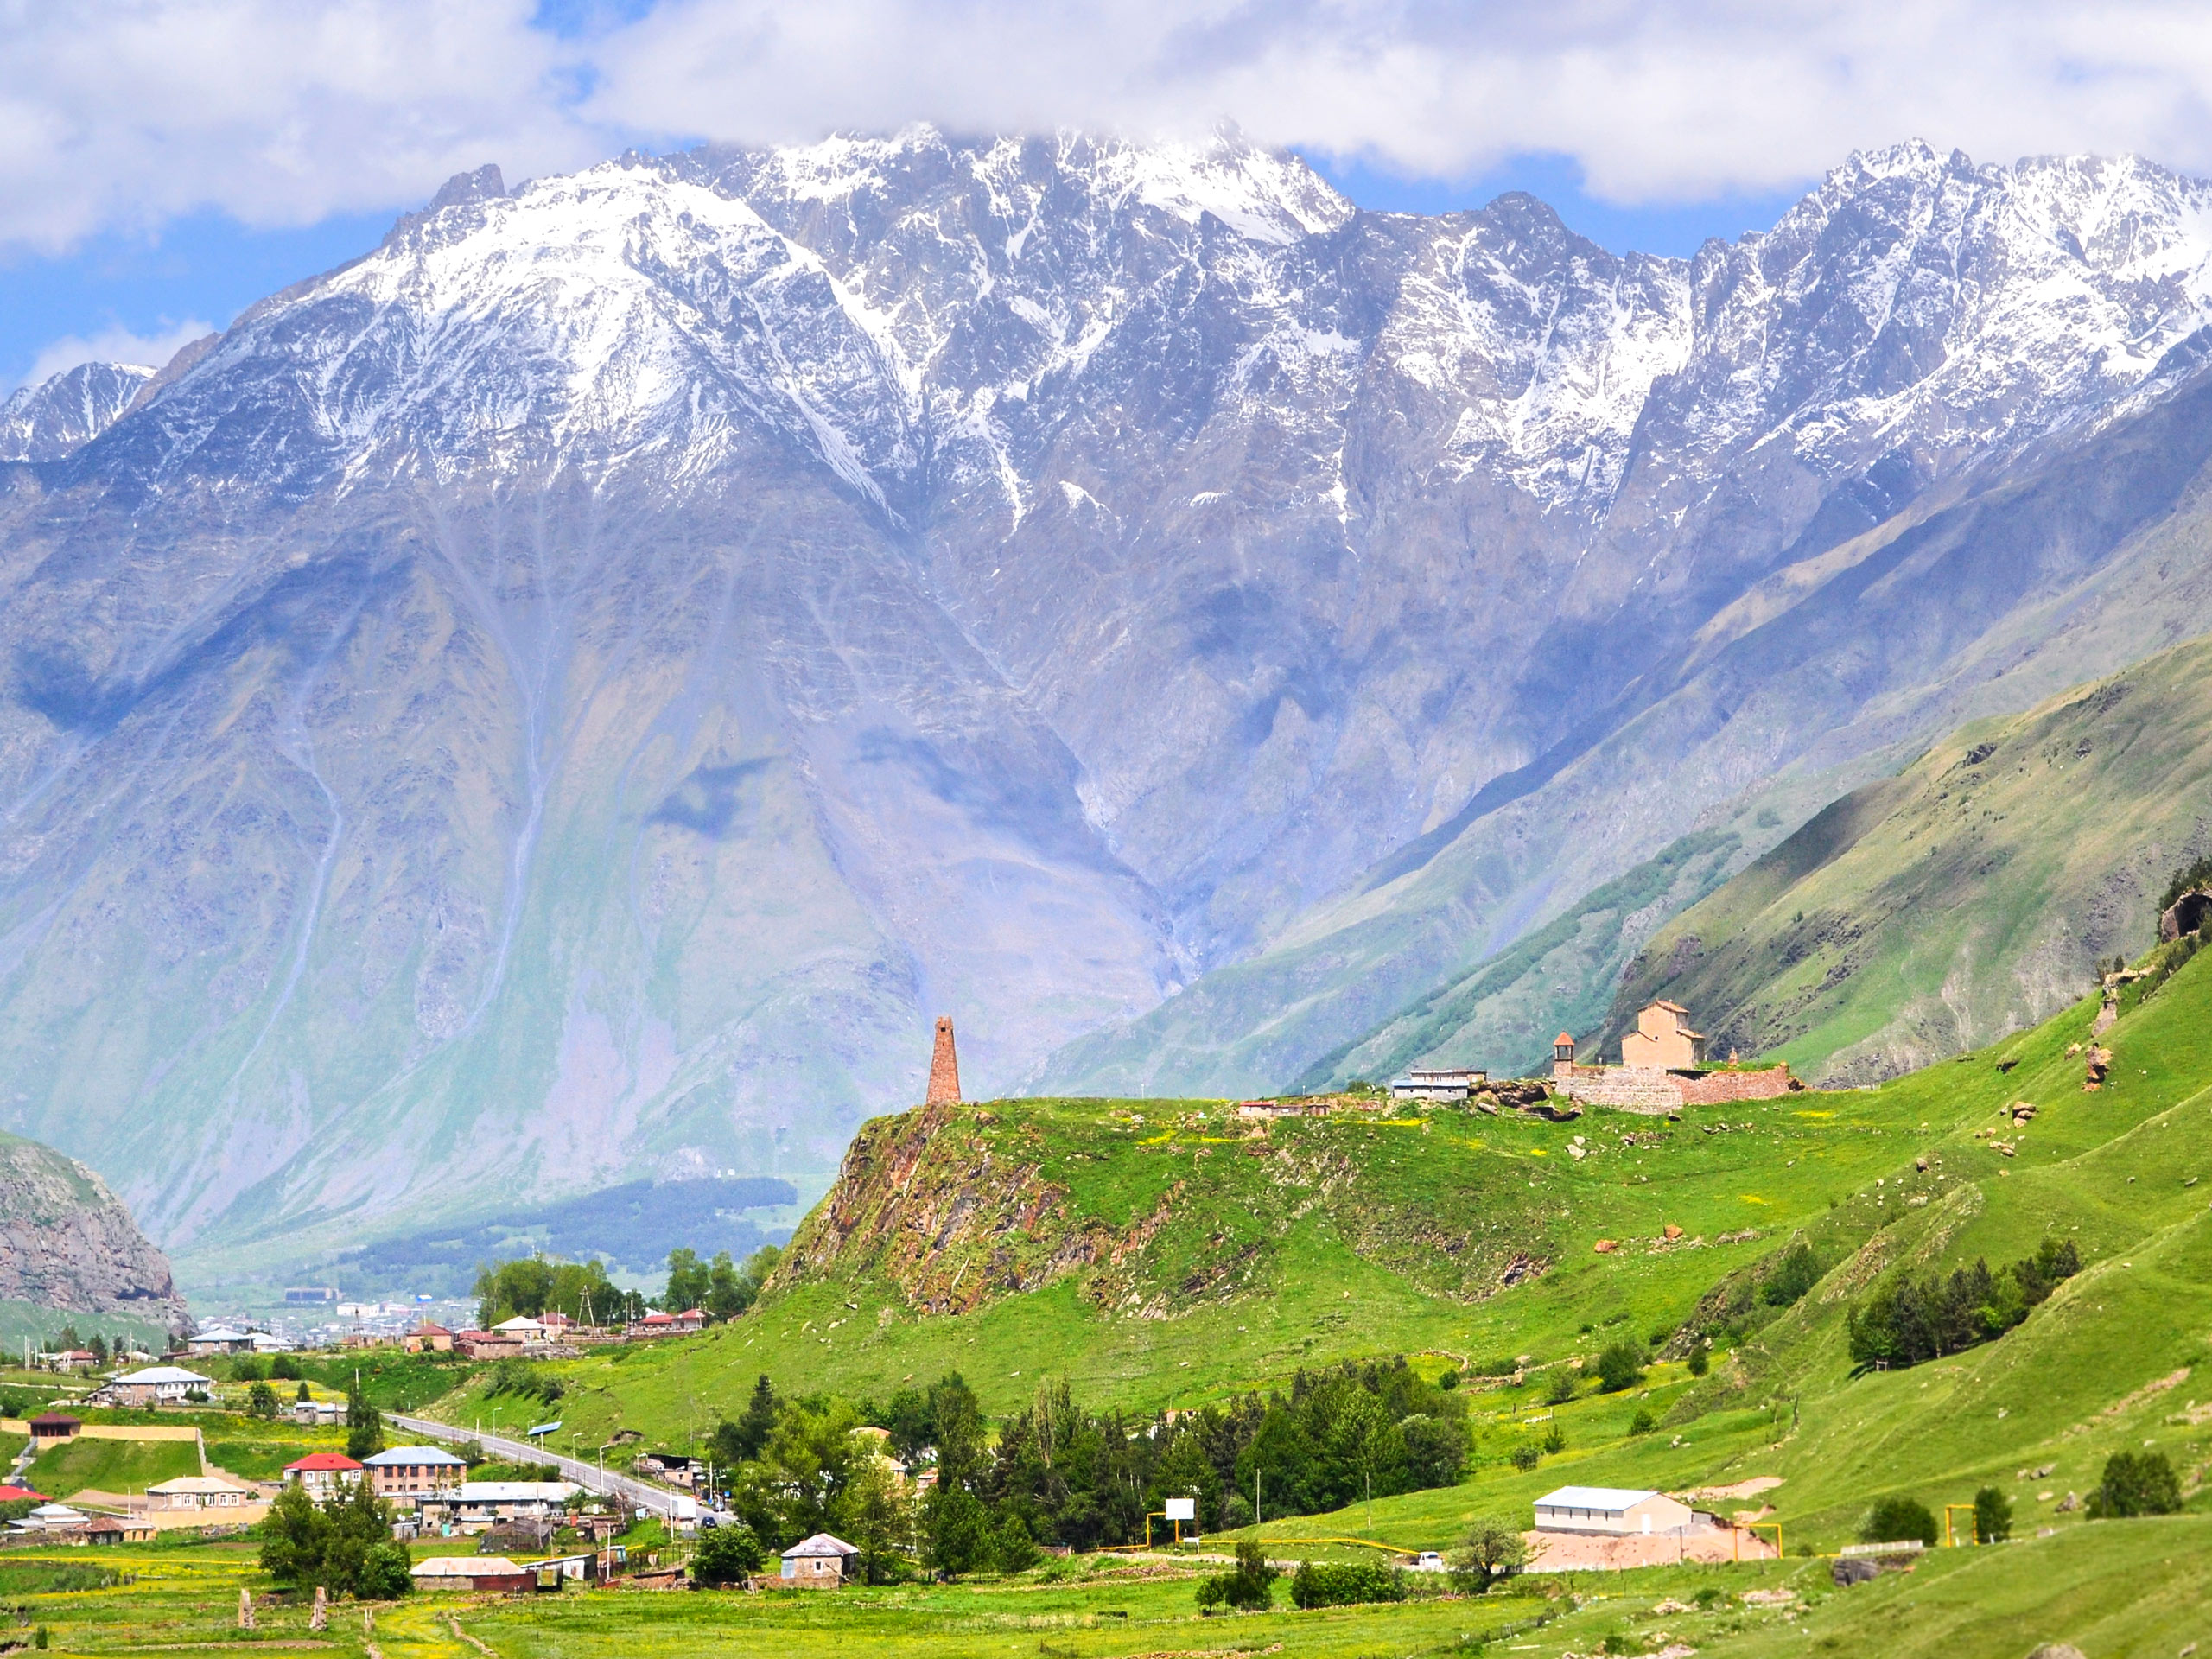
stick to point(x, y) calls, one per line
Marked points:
point(944, 1067)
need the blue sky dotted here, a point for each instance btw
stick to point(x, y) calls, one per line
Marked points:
point(165, 162)
point(141, 293)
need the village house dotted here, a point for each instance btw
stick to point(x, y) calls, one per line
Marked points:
point(488, 1345)
point(322, 1473)
point(112, 1530)
point(475, 1504)
point(75, 1360)
point(157, 1385)
point(53, 1520)
point(817, 1563)
point(531, 1333)
point(406, 1473)
point(198, 1492)
point(1612, 1511)
point(220, 1341)
point(318, 1414)
point(429, 1338)
point(11, 1493)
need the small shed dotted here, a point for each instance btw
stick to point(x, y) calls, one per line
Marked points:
point(52, 1428)
point(478, 1573)
point(817, 1563)
point(1612, 1511)
point(112, 1530)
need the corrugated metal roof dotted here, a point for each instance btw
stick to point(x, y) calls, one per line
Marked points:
point(1592, 1498)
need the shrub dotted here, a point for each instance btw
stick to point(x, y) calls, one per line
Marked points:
point(1525, 1456)
point(726, 1554)
point(1555, 1439)
point(1796, 1273)
point(385, 1574)
point(1993, 1517)
point(1701, 1361)
point(1500, 1365)
point(1249, 1587)
point(2136, 1483)
point(283, 1369)
point(1897, 1519)
point(1448, 1382)
point(1345, 1584)
point(1644, 1422)
point(1563, 1387)
point(1620, 1366)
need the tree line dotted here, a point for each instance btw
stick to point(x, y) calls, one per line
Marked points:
point(1914, 1318)
point(533, 1285)
point(1058, 1473)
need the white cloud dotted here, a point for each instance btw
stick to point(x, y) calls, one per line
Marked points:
point(125, 113)
point(114, 346)
point(1656, 101)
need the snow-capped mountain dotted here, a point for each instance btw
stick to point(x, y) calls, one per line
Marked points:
point(46, 422)
point(573, 690)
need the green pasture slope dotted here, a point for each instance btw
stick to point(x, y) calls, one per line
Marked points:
point(111, 1465)
point(1969, 895)
point(1350, 1237)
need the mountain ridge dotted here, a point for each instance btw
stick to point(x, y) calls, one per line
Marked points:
point(615, 659)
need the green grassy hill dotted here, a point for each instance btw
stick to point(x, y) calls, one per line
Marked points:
point(1968, 897)
point(111, 1466)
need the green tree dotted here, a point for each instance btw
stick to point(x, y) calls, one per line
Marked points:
point(1562, 1387)
point(363, 1423)
point(1701, 1362)
point(303, 1396)
point(1555, 1439)
point(957, 1419)
point(1619, 1367)
point(730, 1292)
point(283, 1369)
point(1491, 1550)
point(2136, 1483)
point(1993, 1517)
point(1525, 1456)
point(261, 1402)
point(875, 1517)
point(1897, 1519)
point(343, 1545)
point(1644, 1422)
point(955, 1529)
point(387, 1572)
point(726, 1554)
point(741, 1441)
point(504, 1289)
point(1011, 1549)
point(690, 1282)
point(1249, 1586)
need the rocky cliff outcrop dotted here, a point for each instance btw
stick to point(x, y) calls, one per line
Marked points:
point(66, 1242)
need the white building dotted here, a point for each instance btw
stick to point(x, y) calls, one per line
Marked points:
point(155, 1385)
point(198, 1492)
point(1432, 1083)
point(483, 1502)
point(1612, 1511)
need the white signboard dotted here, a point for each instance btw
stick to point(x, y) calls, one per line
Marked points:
point(1182, 1508)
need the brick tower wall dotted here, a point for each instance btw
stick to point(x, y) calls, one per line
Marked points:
point(944, 1068)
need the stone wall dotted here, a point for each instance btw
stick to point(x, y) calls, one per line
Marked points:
point(1716, 1087)
point(1655, 1093)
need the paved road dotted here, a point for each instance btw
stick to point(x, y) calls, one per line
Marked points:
point(640, 1494)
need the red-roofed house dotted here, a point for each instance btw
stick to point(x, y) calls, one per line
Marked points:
point(17, 1494)
point(323, 1473)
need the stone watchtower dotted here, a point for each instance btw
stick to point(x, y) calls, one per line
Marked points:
point(944, 1068)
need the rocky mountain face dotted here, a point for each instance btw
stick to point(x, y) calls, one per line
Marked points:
point(48, 421)
point(570, 694)
point(67, 1242)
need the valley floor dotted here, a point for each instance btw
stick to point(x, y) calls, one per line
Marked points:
point(2127, 1590)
